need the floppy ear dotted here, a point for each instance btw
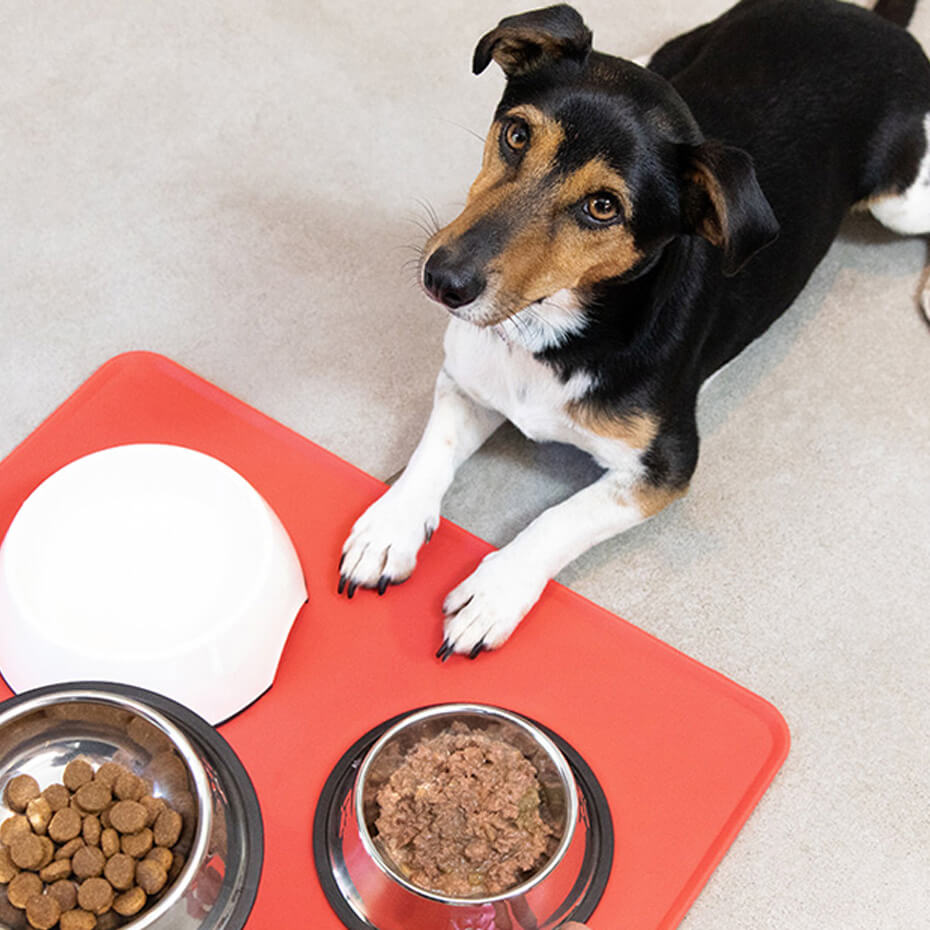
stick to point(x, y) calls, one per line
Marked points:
point(521, 43)
point(722, 202)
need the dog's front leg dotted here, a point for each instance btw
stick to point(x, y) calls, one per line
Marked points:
point(487, 606)
point(383, 544)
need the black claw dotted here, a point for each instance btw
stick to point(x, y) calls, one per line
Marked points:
point(479, 648)
point(342, 583)
point(445, 650)
point(383, 583)
point(352, 586)
point(342, 559)
point(429, 534)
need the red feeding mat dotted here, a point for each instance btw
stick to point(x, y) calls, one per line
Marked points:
point(682, 753)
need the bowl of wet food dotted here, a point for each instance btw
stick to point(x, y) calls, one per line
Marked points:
point(121, 808)
point(462, 815)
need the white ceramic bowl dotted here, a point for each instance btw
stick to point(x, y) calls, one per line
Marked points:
point(151, 565)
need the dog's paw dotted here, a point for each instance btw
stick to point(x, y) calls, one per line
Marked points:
point(382, 547)
point(487, 606)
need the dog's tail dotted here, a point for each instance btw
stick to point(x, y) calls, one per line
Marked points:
point(898, 12)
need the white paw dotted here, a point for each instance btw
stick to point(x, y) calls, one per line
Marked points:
point(382, 547)
point(487, 606)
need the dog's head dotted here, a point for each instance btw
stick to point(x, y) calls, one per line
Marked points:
point(592, 165)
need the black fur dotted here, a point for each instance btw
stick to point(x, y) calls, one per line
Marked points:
point(788, 112)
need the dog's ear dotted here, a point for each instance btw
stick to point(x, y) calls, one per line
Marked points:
point(521, 43)
point(723, 202)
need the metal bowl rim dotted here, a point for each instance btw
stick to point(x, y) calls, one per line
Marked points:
point(191, 759)
point(482, 710)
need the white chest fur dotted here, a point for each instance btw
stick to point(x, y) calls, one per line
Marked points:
point(507, 378)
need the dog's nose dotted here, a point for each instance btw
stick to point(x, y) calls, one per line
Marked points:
point(452, 282)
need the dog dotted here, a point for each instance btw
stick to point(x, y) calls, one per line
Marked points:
point(631, 230)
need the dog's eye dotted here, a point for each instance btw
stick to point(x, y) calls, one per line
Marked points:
point(602, 207)
point(516, 135)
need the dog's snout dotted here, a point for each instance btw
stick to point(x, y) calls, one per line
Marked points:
point(453, 282)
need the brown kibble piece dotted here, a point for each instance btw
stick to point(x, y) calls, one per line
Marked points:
point(8, 868)
point(109, 772)
point(27, 851)
point(69, 849)
point(93, 797)
point(128, 816)
point(77, 774)
point(39, 813)
point(58, 796)
point(150, 876)
point(20, 791)
point(87, 862)
point(177, 865)
point(167, 828)
point(65, 825)
point(129, 787)
point(56, 871)
point(95, 895)
point(65, 893)
point(130, 903)
point(109, 842)
point(164, 857)
point(91, 830)
point(42, 912)
point(77, 920)
point(49, 851)
point(138, 844)
point(12, 827)
point(120, 871)
point(22, 888)
point(153, 807)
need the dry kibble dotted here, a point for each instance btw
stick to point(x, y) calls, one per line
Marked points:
point(93, 797)
point(77, 774)
point(58, 796)
point(12, 827)
point(105, 819)
point(69, 849)
point(8, 868)
point(65, 825)
point(22, 888)
point(109, 842)
point(120, 871)
point(91, 830)
point(150, 876)
point(20, 791)
point(95, 895)
point(129, 787)
point(27, 851)
point(162, 856)
point(130, 817)
point(176, 866)
point(65, 893)
point(109, 921)
point(42, 912)
point(39, 813)
point(167, 828)
point(77, 920)
point(56, 871)
point(129, 903)
point(153, 807)
point(109, 772)
point(138, 845)
point(49, 851)
point(87, 862)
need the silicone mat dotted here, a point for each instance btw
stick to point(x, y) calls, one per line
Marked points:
point(682, 753)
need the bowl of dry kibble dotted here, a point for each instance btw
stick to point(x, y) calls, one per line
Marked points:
point(119, 808)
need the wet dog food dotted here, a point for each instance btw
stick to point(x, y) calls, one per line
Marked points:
point(461, 815)
point(96, 848)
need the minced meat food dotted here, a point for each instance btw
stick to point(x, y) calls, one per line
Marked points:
point(461, 815)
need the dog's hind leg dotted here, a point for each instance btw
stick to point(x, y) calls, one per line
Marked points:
point(908, 212)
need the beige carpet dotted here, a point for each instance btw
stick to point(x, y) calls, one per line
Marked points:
point(237, 184)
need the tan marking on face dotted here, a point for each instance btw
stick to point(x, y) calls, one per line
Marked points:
point(650, 498)
point(637, 430)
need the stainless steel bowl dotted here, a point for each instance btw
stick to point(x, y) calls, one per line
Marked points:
point(385, 899)
point(43, 730)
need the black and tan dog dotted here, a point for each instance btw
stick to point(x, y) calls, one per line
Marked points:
point(632, 229)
